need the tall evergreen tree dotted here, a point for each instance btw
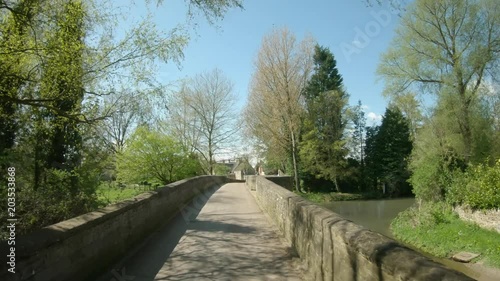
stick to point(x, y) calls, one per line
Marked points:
point(372, 154)
point(326, 76)
point(388, 148)
point(324, 149)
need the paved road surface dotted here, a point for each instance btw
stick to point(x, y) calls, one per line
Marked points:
point(229, 239)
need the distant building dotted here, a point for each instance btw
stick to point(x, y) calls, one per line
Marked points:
point(259, 169)
point(242, 169)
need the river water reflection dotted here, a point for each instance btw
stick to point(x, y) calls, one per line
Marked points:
point(377, 215)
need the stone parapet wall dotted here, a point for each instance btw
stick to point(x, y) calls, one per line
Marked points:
point(250, 182)
point(283, 181)
point(82, 247)
point(333, 248)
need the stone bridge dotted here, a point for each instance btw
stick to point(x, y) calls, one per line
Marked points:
point(214, 228)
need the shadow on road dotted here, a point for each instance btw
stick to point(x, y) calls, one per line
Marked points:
point(221, 235)
point(144, 261)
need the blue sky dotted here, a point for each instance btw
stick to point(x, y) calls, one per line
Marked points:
point(355, 33)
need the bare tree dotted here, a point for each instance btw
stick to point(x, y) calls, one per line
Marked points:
point(127, 110)
point(276, 105)
point(203, 116)
point(182, 120)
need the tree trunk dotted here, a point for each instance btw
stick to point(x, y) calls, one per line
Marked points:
point(335, 181)
point(465, 123)
point(295, 164)
point(210, 156)
point(37, 169)
point(211, 164)
point(467, 134)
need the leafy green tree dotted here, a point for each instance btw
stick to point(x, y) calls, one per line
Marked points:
point(388, 148)
point(58, 60)
point(56, 83)
point(446, 48)
point(13, 71)
point(482, 187)
point(154, 157)
point(55, 134)
point(323, 149)
point(109, 59)
point(491, 106)
point(62, 83)
point(437, 155)
point(221, 169)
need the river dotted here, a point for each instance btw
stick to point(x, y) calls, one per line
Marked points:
point(377, 215)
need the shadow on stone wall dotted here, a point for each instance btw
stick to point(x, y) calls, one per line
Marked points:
point(333, 248)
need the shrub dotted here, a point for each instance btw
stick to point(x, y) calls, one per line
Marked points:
point(478, 187)
point(429, 177)
point(62, 195)
point(426, 215)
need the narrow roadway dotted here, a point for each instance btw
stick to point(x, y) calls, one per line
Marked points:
point(229, 239)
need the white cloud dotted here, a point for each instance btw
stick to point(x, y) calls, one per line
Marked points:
point(373, 118)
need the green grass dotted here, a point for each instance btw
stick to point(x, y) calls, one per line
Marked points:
point(109, 193)
point(437, 230)
point(319, 197)
point(314, 197)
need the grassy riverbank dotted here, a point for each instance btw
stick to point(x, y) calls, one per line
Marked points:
point(325, 197)
point(109, 193)
point(436, 229)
